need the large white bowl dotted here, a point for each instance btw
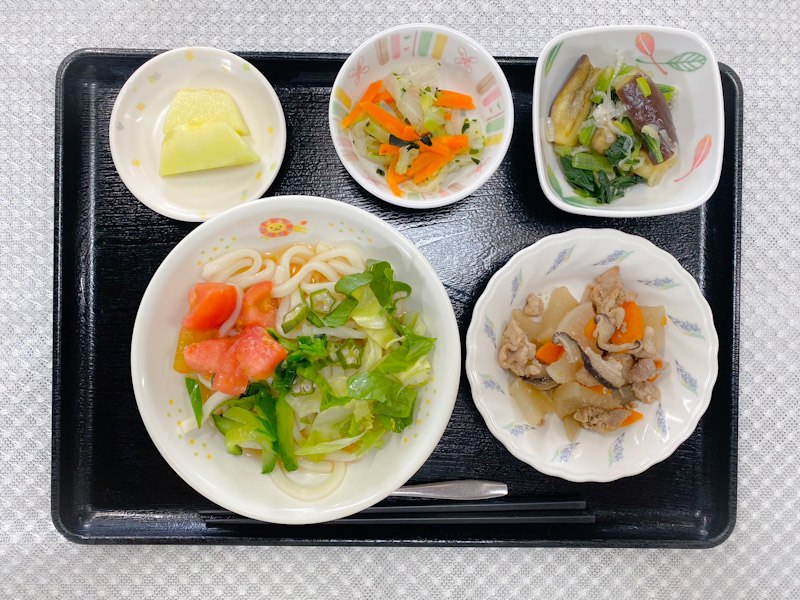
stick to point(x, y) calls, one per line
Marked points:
point(684, 60)
point(573, 259)
point(466, 67)
point(236, 482)
point(135, 133)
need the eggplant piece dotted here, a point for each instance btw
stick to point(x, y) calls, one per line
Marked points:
point(573, 103)
point(652, 110)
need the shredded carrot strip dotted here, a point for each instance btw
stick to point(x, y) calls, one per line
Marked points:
point(422, 161)
point(393, 178)
point(387, 149)
point(392, 124)
point(430, 170)
point(450, 99)
point(634, 416)
point(383, 96)
point(456, 143)
point(448, 116)
point(368, 96)
point(437, 147)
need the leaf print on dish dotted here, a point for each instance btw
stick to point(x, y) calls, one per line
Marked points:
point(515, 287)
point(516, 429)
point(551, 58)
point(488, 329)
point(661, 283)
point(647, 46)
point(615, 257)
point(562, 257)
point(616, 452)
point(490, 384)
point(564, 453)
point(661, 427)
point(686, 62)
point(687, 380)
point(701, 152)
point(687, 327)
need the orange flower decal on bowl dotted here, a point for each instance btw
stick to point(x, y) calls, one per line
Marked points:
point(277, 227)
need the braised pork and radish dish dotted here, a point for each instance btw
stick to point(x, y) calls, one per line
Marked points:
point(591, 361)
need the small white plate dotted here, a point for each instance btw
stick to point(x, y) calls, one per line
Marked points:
point(199, 457)
point(466, 67)
point(573, 259)
point(136, 135)
point(672, 56)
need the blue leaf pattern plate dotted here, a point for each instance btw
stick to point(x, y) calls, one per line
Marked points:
point(573, 259)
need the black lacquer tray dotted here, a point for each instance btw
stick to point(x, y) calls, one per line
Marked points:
point(109, 483)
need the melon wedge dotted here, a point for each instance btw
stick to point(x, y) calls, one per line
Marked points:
point(210, 145)
point(194, 106)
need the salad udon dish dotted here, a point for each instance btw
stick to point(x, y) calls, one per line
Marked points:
point(305, 359)
point(295, 360)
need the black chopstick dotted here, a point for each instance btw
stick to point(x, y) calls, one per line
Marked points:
point(501, 511)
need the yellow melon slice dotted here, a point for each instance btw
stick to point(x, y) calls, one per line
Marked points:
point(209, 145)
point(192, 106)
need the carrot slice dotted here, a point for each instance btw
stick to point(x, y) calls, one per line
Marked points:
point(658, 364)
point(392, 124)
point(549, 353)
point(450, 99)
point(393, 178)
point(632, 418)
point(632, 325)
point(369, 96)
point(588, 331)
point(448, 116)
point(598, 389)
point(387, 149)
point(431, 169)
point(383, 96)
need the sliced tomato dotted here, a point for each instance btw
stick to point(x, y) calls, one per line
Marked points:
point(230, 378)
point(186, 338)
point(258, 307)
point(206, 357)
point(257, 352)
point(210, 305)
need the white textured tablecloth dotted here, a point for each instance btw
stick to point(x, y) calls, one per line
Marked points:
point(759, 39)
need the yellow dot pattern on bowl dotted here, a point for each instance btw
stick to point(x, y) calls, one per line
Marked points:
point(140, 107)
point(189, 54)
point(135, 162)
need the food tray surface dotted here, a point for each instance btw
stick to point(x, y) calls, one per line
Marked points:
point(110, 484)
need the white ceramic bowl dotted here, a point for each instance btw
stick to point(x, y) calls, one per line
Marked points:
point(135, 134)
point(466, 67)
point(672, 56)
point(236, 482)
point(573, 259)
